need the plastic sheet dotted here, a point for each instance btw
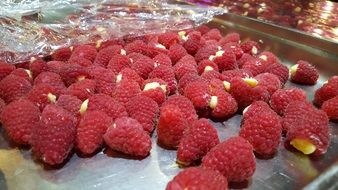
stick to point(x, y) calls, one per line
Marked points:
point(38, 27)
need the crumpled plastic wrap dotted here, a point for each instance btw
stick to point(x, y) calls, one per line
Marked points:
point(38, 27)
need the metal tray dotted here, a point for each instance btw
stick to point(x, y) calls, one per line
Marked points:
point(110, 170)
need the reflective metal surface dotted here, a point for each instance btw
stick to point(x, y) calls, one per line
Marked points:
point(110, 170)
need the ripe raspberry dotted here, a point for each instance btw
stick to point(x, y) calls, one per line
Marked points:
point(206, 51)
point(62, 54)
point(37, 67)
point(282, 98)
point(80, 61)
point(269, 81)
point(176, 52)
point(18, 119)
point(187, 59)
point(72, 73)
point(225, 59)
point(54, 137)
point(234, 48)
point(69, 103)
point(106, 104)
point(162, 59)
point(198, 93)
point(245, 58)
point(129, 75)
point(255, 109)
point(331, 108)
point(233, 158)
point(307, 128)
point(184, 104)
point(198, 178)
point(55, 66)
point(135, 56)
point(213, 34)
point(144, 110)
point(119, 62)
point(125, 90)
point(223, 105)
point(82, 89)
point(171, 126)
point(208, 76)
point(2, 106)
point(203, 29)
point(90, 130)
point(13, 88)
point(228, 75)
point(155, 90)
point(185, 79)
point(255, 66)
point(27, 74)
point(327, 91)
point(127, 136)
point(104, 78)
point(52, 79)
point(168, 39)
point(196, 142)
point(86, 51)
point(250, 47)
point(280, 70)
point(205, 66)
point(304, 73)
point(230, 38)
point(182, 68)
point(218, 85)
point(116, 41)
point(268, 57)
point(263, 131)
point(106, 54)
point(42, 95)
point(137, 46)
point(193, 42)
point(5, 69)
point(167, 74)
point(143, 66)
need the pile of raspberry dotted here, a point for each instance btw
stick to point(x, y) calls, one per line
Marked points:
point(117, 94)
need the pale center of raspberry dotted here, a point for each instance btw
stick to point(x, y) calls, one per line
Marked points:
point(32, 59)
point(51, 97)
point(254, 50)
point(213, 102)
point(303, 145)
point(219, 53)
point(123, 52)
point(263, 57)
point(246, 109)
point(298, 9)
point(29, 73)
point(71, 48)
point(154, 85)
point(183, 36)
point(208, 68)
point(160, 46)
point(118, 78)
point(80, 78)
point(293, 70)
point(98, 43)
point(226, 85)
point(251, 82)
point(246, 5)
point(84, 107)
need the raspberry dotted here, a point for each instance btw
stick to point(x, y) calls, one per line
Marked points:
point(129, 75)
point(106, 104)
point(144, 110)
point(13, 88)
point(55, 66)
point(119, 62)
point(162, 59)
point(82, 89)
point(52, 79)
point(185, 79)
point(206, 65)
point(90, 130)
point(167, 74)
point(331, 108)
point(327, 91)
point(184, 104)
point(104, 78)
point(223, 105)
point(72, 73)
point(250, 47)
point(143, 66)
point(269, 81)
point(127, 136)
point(198, 178)
point(282, 98)
point(246, 91)
point(218, 85)
point(193, 42)
point(155, 90)
point(263, 131)
point(230, 38)
point(86, 51)
point(135, 56)
point(116, 41)
point(245, 57)
point(37, 67)
point(213, 34)
point(255, 66)
point(229, 74)
point(54, 137)
point(196, 142)
point(203, 29)
point(69, 103)
point(234, 48)
point(5, 69)
point(176, 52)
point(182, 68)
point(62, 54)
point(198, 93)
point(27, 74)
point(206, 51)
point(207, 76)
point(136, 46)
point(307, 128)
point(168, 39)
point(225, 61)
point(255, 109)
point(304, 73)
point(18, 119)
point(80, 61)
point(268, 57)
point(41, 95)
point(106, 54)
point(280, 70)
point(171, 126)
point(233, 158)
point(187, 59)
point(125, 90)
point(2, 106)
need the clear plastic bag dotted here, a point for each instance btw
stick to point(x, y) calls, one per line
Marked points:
point(38, 27)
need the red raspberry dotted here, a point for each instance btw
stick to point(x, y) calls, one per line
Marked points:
point(222, 104)
point(162, 59)
point(86, 51)
point(62, 54)
point(52, 79)
point(27, 74)
point(137, 46)
point(42, 95)
point(263, 131)
point(54, 137)
point(176, 52)
point(143, 66)
point(155, 90)
point(82, 89)
point(198, 93)
point(119, 62)
point(250, 47)
point(230, 38)
point(304, 73)
point(280, 70)
point(13, 87)
point(282, 98)
point(130, 75)
point(203, 29)
point(229, 74)
point(80, 61)
point(307, 128)
point(255, 66)
point(331, 108)
point(196, 142)
point(90, 130)
point(234, 48)
point(106, 54)
point(193, 42)
point(227, 61)
point(256, 108)
point(168, 39)
point(105, 79)
point(269, 81)
point(187, 59)
point(208, 76)
point(206, 51)
point(72, 73)
point(69, 103)
point(167, 74)
point(185, 79)
point(106, 104)
point(268, 57)
point(213, 34)
point(233, 158)
point(205, 66)
point(327, 91)
point(144, 110)
point(218, 85)
point(5, 69)
point(134, 56)
point(125, 90)
point(55, 66)
point(118, 137)
point(198, 178)
point(2, 106)
point(37, 67)
point(184, 104)
point(116, 41)
point(245, 57)
point(182, 68)
point(171, 126)
point(18, 119)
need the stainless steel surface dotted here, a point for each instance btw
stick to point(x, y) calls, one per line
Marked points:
point(110, 170)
